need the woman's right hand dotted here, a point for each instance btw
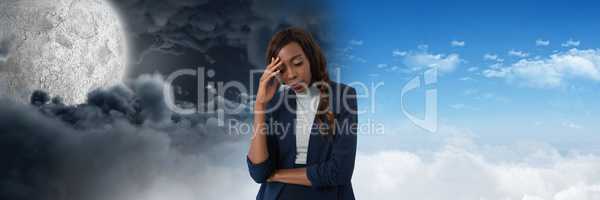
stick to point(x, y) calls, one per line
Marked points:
point(268, 83)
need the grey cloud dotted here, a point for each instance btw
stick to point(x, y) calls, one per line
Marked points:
point(122, 143)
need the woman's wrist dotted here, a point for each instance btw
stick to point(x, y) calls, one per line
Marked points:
point(273, 176)
point(259, 107)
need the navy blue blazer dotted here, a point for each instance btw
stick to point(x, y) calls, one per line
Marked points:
point(330, 161)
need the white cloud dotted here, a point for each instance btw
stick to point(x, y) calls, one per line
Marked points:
point(516, 53)
point(492, 57)
point(466, 78)
point(356, 58)
point(570, 43)
point(457, 106)
point(464, 170)
point(456, 43)
point(461, 106)
point(346, 53)
point(388, 68)
point(397, 52)
point(571, 125)
point(356, 42)
point(470, 91)
point(485, 96)
point(553, 71)
point(496, 71)
point(540, 42)
point(190, 183)
point(422, 60)
point(472, 69)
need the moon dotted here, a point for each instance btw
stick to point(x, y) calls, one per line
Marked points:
point(65, 47)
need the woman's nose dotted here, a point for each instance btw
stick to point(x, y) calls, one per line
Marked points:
point(291, 73)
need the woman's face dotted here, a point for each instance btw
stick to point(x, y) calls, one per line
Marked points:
point(295, 67)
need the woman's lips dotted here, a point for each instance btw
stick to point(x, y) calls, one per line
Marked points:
point(296, 86)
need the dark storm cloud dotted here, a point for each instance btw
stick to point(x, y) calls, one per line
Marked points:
point(202, 24)
point(120, 144)
point(227, 36)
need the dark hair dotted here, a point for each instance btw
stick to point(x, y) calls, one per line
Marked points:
point(318, 70)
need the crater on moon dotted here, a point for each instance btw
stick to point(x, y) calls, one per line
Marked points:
point(65, 47)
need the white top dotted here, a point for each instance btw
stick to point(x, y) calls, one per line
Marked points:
point(306, 104)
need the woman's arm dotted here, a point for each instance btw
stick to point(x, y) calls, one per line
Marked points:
point(292, 176)
point(259, 160)
point(258, 152)
point(259, 163)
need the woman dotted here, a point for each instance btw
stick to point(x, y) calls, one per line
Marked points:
point(304, 136)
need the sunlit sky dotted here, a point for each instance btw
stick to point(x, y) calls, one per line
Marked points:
point(509, 71)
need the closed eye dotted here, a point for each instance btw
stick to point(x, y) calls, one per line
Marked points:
point(298, 61)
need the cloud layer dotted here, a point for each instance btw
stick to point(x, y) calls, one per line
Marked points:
point(123, 143)
point(550, 72)
point(464, 170)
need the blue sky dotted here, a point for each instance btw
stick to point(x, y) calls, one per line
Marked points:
point(509, 71)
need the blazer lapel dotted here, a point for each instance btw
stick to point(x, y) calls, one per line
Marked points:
point(317, 144)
